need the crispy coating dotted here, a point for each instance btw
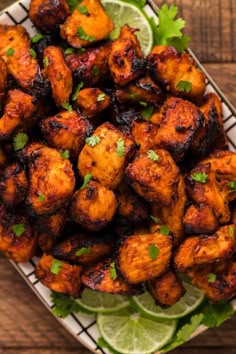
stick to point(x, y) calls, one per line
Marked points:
point(126, 60)
point(53, 225)
point(13, 185)
point(155, 181)
point(167, 289)
point(58, 74)
point(92, 101)
point(3, 81)
point(83, 249)
point(21, 65)
point(130, 205)
point(95, 24)
point(170, 68)
point(200, 219)
point(135, 260)
point(66, 131)
point(102, 160)
point(18, 113)
point(67, 281)
point(205, 249)
point(99, 278)
point(181, 122)
point(94, 206)
point(144, 134)
point(84, 65)
point(51, 180)
point(47, 15)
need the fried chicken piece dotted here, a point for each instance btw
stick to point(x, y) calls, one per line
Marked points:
point(205, 249)
point(155, 179)
point(166, 290)
point(51, 179)
point(144, 134)
point(83, 249)
point(53, 225)
point(91, 67)
point(103, 277)
point(3, 81)
point(47, 15)
point(3, 159)
point(59, 276)
point(181, 122)
point(13, 185)
point(200, 219)
point(92, 101)
point(126, 60)
point(46, 242)
point(18, 113)
point(94, 206)
point(66, 131)
point(130, 205)
point(175, 71)
point(106, 160)
point(58, 73)
point(82, 29)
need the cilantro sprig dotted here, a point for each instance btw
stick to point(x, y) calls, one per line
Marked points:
point(120, 147)
point(64, 305)
point(92, 140)
point(113, 272)
point(153, 251)
point(87, 179)
point(19, 141)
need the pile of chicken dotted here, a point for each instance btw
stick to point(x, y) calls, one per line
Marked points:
point(126, 179)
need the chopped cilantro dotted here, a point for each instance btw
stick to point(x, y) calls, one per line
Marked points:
point(33, 53)
point(216, 314)
point(143, 103)
point(153, 251)
point(93, 140)
point(120, 147)
point(37, 38)
point(41, 197)
point(232, 185)
point(73, 4)
point(56, 266)
point(83, 35)
point(64, 305)
point(81, 51)
point(101, 97)
point(83, 250)
point(65, 154)
point(164, 230)
point(82, 10)
point(95, 70)
point(19, 141)
point(67, 106)
point(184, 86)
point(77, 90)
point(147, 112)
point(152, 155)
point(113, 272)
point(18, 229)
point(211, 277)
point(231, 232)
point(10, 52)
point(87, 179)
point(155, 219)
point(199, 177)
point(46, 61)
point(69, 51)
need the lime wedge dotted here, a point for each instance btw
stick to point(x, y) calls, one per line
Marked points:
point(189, 302)
point(127, 332)
point(95, 301)
point(123, 13)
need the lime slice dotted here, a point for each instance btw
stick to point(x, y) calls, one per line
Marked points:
point(123, 13)
point(127, 332)
point(189, 302)
point(101, 302)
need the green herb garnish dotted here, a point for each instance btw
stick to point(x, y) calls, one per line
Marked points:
point(184, 86)
point(65, 154)
point(101, 97)
point(77, 90)
point(93, 140)
point(18, 229)
point(147, 112)
point(164, 230)
point(199, 177)
point(211, 277)
point(19, 141)
point(10, 52)
point(152, 155)
point(153, 251)
point(113, 272)
point(87, 179)
point(56, 266)
point(82, 251)
point(33, 53)
point(120, 147)
point(83, 35)
point(67, 106)
point(41, 197)
point(37, 38)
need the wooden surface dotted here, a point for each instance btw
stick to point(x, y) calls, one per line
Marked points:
point(26, 327)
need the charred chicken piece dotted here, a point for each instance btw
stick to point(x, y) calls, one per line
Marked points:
point(94, 206)
point(59, 276)
point(200, 219)
point(3, 159)
point(126, 60)
point(83, 249)
point(142, 257)
point(66, 131)
point(13, 185)
point(47, 15)
point(58, 73)
point(51, 179)
point(103, 277)
point(92, 101)
point(53, 225)
point(46, 242)
point(177, 72)
point(3, 81)
point(205, 249)
point(106, 160)
point(144, 134)
point(154, 176)
point(82, 29)
point(167, 289)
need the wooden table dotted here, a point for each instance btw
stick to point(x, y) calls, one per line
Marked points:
point(26, 327)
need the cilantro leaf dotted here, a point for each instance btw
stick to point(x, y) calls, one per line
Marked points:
point(87, 179)
point(143, 103)
point(120, 147)
point(184, 86)
point(82, 10)
point(152, 155)
point(83, 250)
point(216, 314)
point(67, 106)
point(113, 273)
point(46, 61)
point(92, 140)
point(231, 232)
point(10, 52)
point(19, 141)
point(77, 90)
point(211, 277)
point(101, 97)
point(199, 177)
point(185, 332)
point(56, 266)
point(155, 219)
point(18, 229)
point(83, 35)
point(69, 51)
point(41, 197)
point(65, 154)
point(153, 251)
point(64, 305)
point(147, 112)
point(232, 185)
point(33, 53)
point(180, 43)
point(73, 4)
point(164, 230)
point(37, 38)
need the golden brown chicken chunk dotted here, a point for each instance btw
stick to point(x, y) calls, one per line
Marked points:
point(154, 176)
point(82, 28)
point(205, 249)
point(3, 81)
point(103, 277)
point(92, 101)
point(167, 289)
point(66, 131)
point(15, 50)
point(83, 249)
point(53, 225)
point(94, 206)
point(144, 134)
point(107, 158)
point(51, 179)
point(59, 276)
point(177, 72)
point(13, 185)
point(58, 73)
point(90, 67)
point(126, 60)
point(200, 219)
point(180, 124)
point(142, 257)
point(18, 113)
point(47, 15)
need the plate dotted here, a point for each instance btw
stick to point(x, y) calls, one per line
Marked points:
point(83, 327)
